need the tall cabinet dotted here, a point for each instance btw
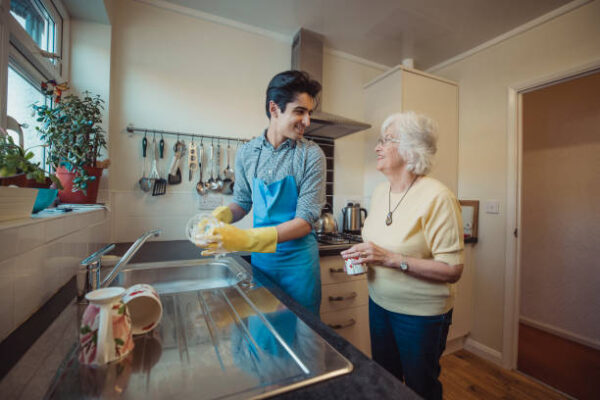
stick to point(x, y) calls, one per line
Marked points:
point(403, 89)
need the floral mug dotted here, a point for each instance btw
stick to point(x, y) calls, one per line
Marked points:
point(105, 334)
point(145, 307)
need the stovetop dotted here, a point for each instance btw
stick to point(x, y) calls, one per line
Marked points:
point(339, 240)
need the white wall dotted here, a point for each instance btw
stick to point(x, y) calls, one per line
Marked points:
point(563, 43)
point(179, 72)
point(90, 70)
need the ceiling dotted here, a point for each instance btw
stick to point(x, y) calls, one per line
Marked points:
point(385, 31)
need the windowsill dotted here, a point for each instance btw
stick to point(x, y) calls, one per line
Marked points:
point(50, 214)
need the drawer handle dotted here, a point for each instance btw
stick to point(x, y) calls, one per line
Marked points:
point(336, 270)
point(347, 324)
point(342, 298)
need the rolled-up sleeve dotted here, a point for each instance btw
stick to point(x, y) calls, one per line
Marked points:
point(311, 196)
point(242, 191)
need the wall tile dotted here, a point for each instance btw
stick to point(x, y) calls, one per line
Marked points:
point(9, 238)
point(30, 236)
point(39, 258)
point(7, 316)
point(53, 262)
point(29, 284)
point(56, 228)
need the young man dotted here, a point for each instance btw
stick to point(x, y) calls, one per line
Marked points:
point(281, 176)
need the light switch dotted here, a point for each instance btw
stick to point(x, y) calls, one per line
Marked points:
point(492, 207)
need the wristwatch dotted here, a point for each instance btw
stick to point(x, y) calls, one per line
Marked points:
point(403, 264)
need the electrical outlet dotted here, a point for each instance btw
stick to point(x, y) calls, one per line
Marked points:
point(492, 207)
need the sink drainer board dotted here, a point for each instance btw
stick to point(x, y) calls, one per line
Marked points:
point(215, 340)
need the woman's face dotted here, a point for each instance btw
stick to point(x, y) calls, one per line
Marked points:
point(386, 150)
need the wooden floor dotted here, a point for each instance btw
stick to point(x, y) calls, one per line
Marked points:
point(466, 376)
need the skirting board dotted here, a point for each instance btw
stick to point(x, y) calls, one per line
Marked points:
point(454, 345)
point(595, 344)
point(483, 351)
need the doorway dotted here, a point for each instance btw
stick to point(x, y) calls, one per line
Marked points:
point(559, 318)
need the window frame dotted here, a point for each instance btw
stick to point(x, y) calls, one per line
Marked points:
point(19, 50)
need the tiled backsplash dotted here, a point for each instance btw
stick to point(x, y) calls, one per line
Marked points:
point(38, 256)
point(328, 147)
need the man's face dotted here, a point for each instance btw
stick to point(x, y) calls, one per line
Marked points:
point(296, 118)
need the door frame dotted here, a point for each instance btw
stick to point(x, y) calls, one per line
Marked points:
point(512, 276)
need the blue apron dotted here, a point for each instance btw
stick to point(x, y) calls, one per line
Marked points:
point(294, 267)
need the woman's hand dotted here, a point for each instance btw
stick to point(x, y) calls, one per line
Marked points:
point(369, 252)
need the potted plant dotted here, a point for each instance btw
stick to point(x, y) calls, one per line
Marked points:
point(72, 130)
point(16, 167)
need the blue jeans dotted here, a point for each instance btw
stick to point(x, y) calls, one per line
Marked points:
point(410, 346)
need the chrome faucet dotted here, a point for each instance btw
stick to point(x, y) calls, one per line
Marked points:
point(88, 278)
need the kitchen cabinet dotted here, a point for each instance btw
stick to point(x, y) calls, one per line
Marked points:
point(402, 89)
point(345, 303)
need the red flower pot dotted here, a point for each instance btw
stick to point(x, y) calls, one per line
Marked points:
point(66, 179)
point(17, 180)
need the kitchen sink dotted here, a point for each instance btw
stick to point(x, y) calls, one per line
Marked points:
point(222, 335)
point(183, 276)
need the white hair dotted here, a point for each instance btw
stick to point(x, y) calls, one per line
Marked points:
point(417, 136)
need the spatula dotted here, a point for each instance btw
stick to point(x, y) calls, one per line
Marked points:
point(160, 185)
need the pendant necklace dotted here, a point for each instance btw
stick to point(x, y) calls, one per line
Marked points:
point(388, 219)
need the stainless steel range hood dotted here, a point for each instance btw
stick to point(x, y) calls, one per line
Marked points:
point(307, 55)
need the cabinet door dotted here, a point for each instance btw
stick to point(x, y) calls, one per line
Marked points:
point(353, 325)
point(344, 295)
point(332, 271)
point(438, 99)
point(401, 90)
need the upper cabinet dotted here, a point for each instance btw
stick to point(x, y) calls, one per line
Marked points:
point(403, 89)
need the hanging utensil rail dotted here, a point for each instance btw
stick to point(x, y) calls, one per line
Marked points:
point(132, 129)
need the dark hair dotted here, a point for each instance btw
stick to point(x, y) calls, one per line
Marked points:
point(285, 86)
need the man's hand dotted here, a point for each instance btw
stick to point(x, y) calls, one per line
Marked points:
point(223, 214)
point(257, 240)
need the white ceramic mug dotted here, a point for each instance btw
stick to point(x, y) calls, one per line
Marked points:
point(144, 306)
point(105, 333)
point(353, 267)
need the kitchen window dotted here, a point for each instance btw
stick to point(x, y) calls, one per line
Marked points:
point(37, 22)
point(31, 52)
point(21, 94)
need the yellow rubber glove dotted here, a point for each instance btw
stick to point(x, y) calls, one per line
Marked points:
point(223, 214)
point(257, 240)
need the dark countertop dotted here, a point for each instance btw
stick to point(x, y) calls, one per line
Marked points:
point(367, 380)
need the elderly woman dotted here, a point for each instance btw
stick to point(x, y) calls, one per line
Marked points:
point(413, 245)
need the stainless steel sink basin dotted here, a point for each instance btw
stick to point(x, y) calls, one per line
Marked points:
point(216, 339)
point(183, 276)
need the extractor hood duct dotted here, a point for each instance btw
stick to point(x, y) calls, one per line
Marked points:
point(307, 55)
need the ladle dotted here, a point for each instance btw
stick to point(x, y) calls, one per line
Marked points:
point(218, 181)
point(210, 184)
point(200, 185)
point(228, 172)
point(145, 182)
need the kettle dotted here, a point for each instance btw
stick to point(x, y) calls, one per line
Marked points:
point(352, 221)
point(326, 222)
